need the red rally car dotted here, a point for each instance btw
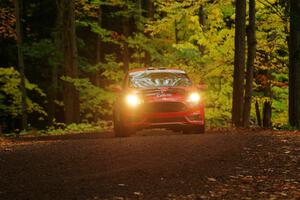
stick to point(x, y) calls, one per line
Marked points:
point(158, 98)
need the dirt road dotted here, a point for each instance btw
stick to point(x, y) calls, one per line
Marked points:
point(160, 165)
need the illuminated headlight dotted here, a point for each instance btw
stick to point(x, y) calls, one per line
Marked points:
point(132, 100)
point(194, 97)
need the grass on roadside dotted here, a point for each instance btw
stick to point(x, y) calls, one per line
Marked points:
point(61, 129)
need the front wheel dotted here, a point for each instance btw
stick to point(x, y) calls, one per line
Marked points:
point(201, 129)
point(120, 129)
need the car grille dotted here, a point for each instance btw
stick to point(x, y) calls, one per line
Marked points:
point(166, 119)
point(163, 107)
point(153, 92)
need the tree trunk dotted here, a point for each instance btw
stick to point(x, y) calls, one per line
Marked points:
point(139, 19)
point(239, 63)
point(150, 9)
point(150, 15)
point(140, 28)
point(71, 96)
point(175, 31)
point(99, 49)
point(267, 110)
point(52, 95)
point(126, 55)
point(202, 21)
point(258, 117)
point(18, 9)
point(267, 114)
point(294, 65)
point(251, 40)
point(54, 71)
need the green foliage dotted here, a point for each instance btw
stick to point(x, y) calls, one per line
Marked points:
point(280, 105)
point(61, 128)
point(112, 70)
point(43, 49)
point(10, 94)
point(94, 102)
point(95, 28)
point(284, 127)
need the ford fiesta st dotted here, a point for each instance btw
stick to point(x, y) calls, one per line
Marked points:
point(158, 98)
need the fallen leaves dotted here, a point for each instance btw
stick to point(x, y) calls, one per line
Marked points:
point(212, 179)
point(4, 142)
point(270, 170)
point(247, 179)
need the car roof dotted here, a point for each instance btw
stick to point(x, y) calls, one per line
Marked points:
point(155, 70)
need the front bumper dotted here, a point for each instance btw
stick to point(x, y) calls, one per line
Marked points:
point(139, 120)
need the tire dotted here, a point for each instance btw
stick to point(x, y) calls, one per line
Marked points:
point(201, 129)
point(187, 130)
point(119, 129)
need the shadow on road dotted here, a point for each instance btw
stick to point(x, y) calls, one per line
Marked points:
point(91, 136)
point(78, 136)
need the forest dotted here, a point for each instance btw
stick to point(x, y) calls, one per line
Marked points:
point(60, 59)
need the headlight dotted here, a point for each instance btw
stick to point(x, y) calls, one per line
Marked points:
point(132, 100)
point(194, 97)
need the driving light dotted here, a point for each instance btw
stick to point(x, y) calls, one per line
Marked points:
point(194, 97)
point(132, 100)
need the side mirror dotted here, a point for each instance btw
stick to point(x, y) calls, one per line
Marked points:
point(116, 88)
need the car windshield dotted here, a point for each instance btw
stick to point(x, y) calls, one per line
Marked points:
point(150, 79)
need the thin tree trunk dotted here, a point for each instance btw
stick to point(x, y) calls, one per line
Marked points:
point(99, 41)
point(294, 65)
point(175, 31)
point(71, 96)
point(239, 63)
point(54, 71)
point(202, 15)
point(202, 21)
point(139, 19)
point(99, 49)
point(267, 109)
point(258, 117)
point(267, 114)
point(150, 15)
point(96, 78)
point(126, 55)
point(150, 9)
point(18, 8)
point(251, 39)
point(140, 28)
point(52, 95)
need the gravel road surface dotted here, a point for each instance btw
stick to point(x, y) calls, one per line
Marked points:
point(152, 165)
